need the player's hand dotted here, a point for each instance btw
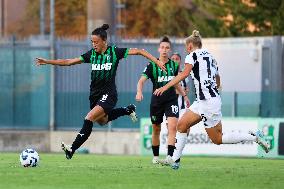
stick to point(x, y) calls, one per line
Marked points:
point(187, 101)
point(139, 97)
point(160, 91)
point(40, 61)
point(161, 65)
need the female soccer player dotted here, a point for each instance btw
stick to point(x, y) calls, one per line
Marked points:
point(207, 106)
point(104, 60)
point(165, 104)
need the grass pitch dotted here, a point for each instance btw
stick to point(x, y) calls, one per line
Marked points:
point(97, 171)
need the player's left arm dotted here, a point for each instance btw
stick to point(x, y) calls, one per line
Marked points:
point(142, 52)
point(181, 76)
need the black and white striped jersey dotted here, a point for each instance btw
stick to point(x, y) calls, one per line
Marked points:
point(204, 73)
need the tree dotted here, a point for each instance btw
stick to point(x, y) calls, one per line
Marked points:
point(70, 18)
point(248, 17)
point(214, 18)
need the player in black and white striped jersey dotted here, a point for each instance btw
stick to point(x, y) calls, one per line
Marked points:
point(184, 84)
point(207, 107)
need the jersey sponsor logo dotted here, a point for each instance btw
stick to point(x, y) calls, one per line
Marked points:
point(165, 78)
point(106, 66)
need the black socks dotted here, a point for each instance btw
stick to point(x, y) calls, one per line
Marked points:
point(83, 135)
point(155, 150)
point(171, 149)
point(116, 113)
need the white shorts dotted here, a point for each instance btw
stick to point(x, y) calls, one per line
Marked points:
point(209, 110)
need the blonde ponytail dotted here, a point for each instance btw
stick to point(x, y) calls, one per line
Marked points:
point(195, 39)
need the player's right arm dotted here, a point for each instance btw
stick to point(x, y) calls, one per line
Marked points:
point(59, 62)
point(140, 85)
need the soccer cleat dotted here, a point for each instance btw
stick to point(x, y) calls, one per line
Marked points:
point(175, 165)
point(155, 160)
point(167, 161)
point(131, 112)
point(263, 144)
point(67, 149)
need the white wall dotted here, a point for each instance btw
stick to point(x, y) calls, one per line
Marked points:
point(239, 61)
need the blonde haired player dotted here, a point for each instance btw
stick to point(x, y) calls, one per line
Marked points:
point(207, 106)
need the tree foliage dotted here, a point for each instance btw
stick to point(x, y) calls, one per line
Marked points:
point(214, 18)
point(70, 18)
point(154, 18)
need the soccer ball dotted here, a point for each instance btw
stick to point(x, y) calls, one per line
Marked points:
point(29, 158)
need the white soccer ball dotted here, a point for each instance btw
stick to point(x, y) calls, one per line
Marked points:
point(29, 158)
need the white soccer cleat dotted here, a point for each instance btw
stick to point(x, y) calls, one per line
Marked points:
point(155, 160)
point(262, 143)
point(167, 161)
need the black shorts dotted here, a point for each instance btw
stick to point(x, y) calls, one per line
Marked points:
point(106, 100)
point(157, 110)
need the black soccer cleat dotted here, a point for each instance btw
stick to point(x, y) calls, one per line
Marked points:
point(67, 149)
point(130, 109)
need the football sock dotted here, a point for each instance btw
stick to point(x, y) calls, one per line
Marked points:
point(156, 150)
point(83, 135)
point(171, 149)
point(180, 144)
point(116, 113)
point(233, 137)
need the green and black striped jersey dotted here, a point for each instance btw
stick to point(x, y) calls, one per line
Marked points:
point(104, 67)
point(160, 78)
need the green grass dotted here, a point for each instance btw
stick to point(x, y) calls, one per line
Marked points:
point(97, 171)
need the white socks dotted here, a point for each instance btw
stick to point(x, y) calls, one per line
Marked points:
point(181, 141)
point(234, 137)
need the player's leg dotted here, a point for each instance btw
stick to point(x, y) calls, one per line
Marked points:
point(156, 114)
point(188, 120)
point(213, 126)
point(172, 114)
point(96, 113)
point(217, 137)
point(129, 110)
point(156, 130)
point(172, 125)
point(100, 106)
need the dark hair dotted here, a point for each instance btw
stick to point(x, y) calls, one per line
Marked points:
point(176, 53)
point(101, 31)
point(165, 39)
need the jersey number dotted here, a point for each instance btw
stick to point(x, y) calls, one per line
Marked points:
point(208, 66)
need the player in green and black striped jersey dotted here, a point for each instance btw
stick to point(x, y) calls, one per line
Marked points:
point(104, 60)
point(167, 103)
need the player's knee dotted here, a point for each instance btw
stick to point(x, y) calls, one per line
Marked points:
point(89, 116)
point(156, 130)
point(101, 123)
point(181, 127)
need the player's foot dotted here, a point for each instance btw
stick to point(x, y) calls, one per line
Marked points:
point(175, 165)
point(262, 143)
point(155, 160)
point(167, 161)
point(67, 149)
point(131, 112)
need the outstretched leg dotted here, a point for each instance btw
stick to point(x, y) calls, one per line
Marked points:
point(95, 114)
point(118, 112)
point(217, 137)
